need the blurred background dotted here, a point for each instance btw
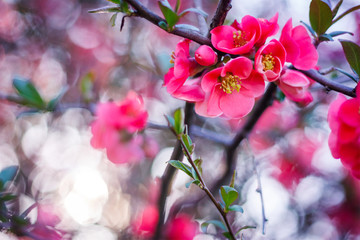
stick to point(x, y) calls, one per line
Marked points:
point(81, 195)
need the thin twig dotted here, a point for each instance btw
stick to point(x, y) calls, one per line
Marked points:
point(222, 9)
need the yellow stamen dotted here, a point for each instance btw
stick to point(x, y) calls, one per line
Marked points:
point(230, 82)
point(172, 60)
point(268, 62)
point(239, 39)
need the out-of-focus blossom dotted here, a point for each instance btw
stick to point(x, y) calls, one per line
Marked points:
point(115, 127)
point(299, 49)
point(181, 228)
point(184, 67)
point(344, 140)
point(268, 28)
point(145, 224)
point(205, 55)
point(295, 87)
point(239, 38)
point(270, 59)
point(231, 89)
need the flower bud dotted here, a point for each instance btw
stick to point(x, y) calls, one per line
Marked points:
point(205, 55)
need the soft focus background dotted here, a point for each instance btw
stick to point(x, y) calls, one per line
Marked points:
point(82, 195)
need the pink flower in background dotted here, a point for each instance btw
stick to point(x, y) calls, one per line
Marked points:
point(239, 38)
point(299, 49)
point(205, 56)
point(115, 127)
point(268, 28)
point(145, 224)
point(295, 87)
point(231, 90)
point(344, 140)
point(181, 228)
point(270, 59)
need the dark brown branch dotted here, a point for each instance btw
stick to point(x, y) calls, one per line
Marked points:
point(223, 8)
point(144, 12)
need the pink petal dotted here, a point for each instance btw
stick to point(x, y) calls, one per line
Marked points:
point(213, 104)
point(349, 112)
point(346, 134)
point(240, 66)
point(236, 105)
point(290, 45)
point(294, 79)
point(308, 56)
point(190, 91)
point(171, 82)
point(254, 86)
point(210, 79)
point(201, 107)
point(334, 112)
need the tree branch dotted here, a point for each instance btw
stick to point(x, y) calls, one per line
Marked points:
point(223, 8)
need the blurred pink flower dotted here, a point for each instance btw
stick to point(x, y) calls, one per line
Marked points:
point(268, 28)
point(270, 60)
point(239, 38)
point(295, 86)
point(231, 89)
point(115, 127)
point(181, 228)
point(205, 55)
point(299, 49)
point(145, 224)
point(344, 140)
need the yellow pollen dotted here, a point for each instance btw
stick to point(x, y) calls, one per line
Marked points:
point(172, 60)
point(239, 39)
point(230, 82)
point(268, 62)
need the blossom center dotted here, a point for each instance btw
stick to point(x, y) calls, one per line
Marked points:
point(268, 62)
point(239, 38)
point(172, 60)
point(230, 82)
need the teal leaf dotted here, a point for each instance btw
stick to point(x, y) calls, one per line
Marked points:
point(27, 90)
point(181, 166)
point(346, 74)
point(196, 182)
point(8, 174)
point(170, 16)
point(228, 195)
point(194, 10)
point(325, 37)
point(105, 10)
point(243, 228)
point(163, 25)
point(171, 121)
point(236, 208)
point(352, 53)
point(216, 223)
point(338, 33)
point(320, 16)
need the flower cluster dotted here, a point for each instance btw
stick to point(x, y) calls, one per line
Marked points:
point(231, 86)
point(115, 129)
point(344, 140)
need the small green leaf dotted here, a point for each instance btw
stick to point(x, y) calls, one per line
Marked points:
point(194, 10)
point(114, 1)
point(336, 8)
point(325, 37)
point(181, 166)
point(87, 84)
point(170, 16)
point(243, 228)
point(171, 121)
point(113, 19)
point(7, 197)
point(8, 174)
point(198, 163)
point(27, 90)
point(227, 235)
point(352, 53)
point(338, 33)
point(228, 195)
point(124, 7)
point(346, 74)
point(320, 16)
point(188, 143)
point(216, 223)
point(196, 182)
point(232, 182)
point(236, 208)
point(179, 121)
point(177, 6)
point(105, 10)
point(194, 175)
point(163, 25)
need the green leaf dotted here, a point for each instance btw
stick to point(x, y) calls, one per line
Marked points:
point(232, 182)
point(181, 166)
point(170, 16)
point(216, 223)
point(320, 16)
point(236, 208)
point(171, 121)
point(163, 25)
point(8, 174)
point(196, 182)
point(105, 10)
point(53, 102)
point(227, 235)
point(325, 37)
point(198, 163)
point(188, 143)
point(28, 91)
point(243, 228)
point(194, 175)
point(338, 33)
point(279, 95)
point(113, 19)
point(228, 195)
point(7, 197)
point(179, 121)
point(124, 7)
point(193, 10)
point(87, 85)
point(177, 7)
point(114, 1)
point(352, 53)
point(346, 74)
point(336, 8)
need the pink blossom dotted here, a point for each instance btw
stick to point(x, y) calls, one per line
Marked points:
point(181, 228)
point(344, 139)
point(205, 55)
point(295, 87)
point(270, 59)
point(145, 224)
point(115, 126)
point(239, 38)
point(297, 43)
point(175, 80)
point(268, 28)
point(231, 89)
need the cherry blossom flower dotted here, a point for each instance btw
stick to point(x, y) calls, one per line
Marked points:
point(115, 126)
point(268, 28)
point(181, 228)
point(231, 89)
point(270, 59)
point(205, 55)
point(299, 49)
point(239, 38)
